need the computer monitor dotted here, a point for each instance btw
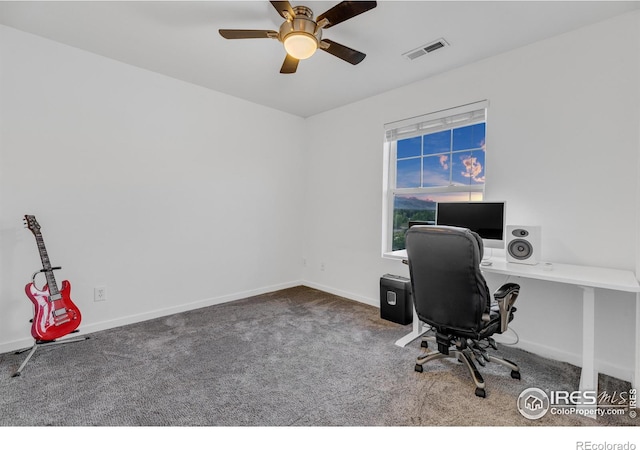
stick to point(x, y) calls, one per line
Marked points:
point(485, 218)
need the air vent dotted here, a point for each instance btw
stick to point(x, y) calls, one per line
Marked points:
point(426, 48)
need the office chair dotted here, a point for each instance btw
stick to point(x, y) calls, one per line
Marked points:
point(451, 295)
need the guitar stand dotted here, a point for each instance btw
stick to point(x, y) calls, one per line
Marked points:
point(44, 344)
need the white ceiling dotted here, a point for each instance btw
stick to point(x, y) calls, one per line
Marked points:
point(180, 39)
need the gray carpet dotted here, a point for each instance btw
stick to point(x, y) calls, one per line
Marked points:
point(296, 357)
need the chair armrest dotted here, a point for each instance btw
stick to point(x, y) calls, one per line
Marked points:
point(506, 296)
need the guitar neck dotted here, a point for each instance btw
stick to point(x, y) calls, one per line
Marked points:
point(46, 265)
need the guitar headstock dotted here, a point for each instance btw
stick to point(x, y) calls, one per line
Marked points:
point(31, 223)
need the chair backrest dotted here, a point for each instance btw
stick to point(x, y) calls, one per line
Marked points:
point(449, 290)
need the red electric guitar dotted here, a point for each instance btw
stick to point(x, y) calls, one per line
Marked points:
point(55, 314)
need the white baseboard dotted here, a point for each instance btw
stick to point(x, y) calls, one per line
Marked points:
point(616, 371)
point(541, 350)
point(345, 294)
point(88, 328)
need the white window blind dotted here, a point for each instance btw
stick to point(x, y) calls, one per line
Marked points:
point(459, 116)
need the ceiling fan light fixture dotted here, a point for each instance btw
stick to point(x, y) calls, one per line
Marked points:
point(301, 35)
point(300, 45)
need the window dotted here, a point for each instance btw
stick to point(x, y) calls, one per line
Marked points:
point(432, 158)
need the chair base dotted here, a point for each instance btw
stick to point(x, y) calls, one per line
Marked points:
point(468, 354)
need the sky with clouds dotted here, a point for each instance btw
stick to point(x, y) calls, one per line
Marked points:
point(440, 159)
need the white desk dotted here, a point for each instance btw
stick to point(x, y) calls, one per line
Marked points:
point(585, 277)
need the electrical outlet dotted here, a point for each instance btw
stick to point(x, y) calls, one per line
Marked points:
point(322, 266)
point(99, 293)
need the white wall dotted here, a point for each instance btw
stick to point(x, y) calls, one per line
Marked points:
point(177, 197)
point(562, 150)
point(172, 195)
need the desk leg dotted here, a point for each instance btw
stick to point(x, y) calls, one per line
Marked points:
point(589, 375)
point(418, 330)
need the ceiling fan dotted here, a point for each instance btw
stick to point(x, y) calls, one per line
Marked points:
point(301, 35)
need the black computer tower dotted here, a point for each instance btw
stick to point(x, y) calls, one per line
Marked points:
point(396, 303)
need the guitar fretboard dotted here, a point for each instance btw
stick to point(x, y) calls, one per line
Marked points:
point(46, 265)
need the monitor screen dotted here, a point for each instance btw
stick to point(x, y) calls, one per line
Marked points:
point(485, 218)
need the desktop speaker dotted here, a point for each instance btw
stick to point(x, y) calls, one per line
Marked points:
point(523, 244)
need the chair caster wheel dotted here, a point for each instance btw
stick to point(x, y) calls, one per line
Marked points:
point(515, 374)
point(424, 344)
point(418, 368)
point(480, 392)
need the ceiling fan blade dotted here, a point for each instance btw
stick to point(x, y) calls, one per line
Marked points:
point(248, 34)
point(344, 11)
point(284, 7)
point(341, 51)
point(290, 64)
